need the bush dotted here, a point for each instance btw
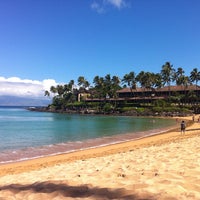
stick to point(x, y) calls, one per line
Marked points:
point(126, 109)
point(159, 103)
point(107, 108)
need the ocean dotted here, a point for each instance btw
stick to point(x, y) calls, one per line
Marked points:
point(26, 134)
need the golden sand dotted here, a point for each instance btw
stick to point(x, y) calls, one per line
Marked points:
point(165, 166)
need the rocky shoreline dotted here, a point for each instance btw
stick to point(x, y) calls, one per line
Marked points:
point(114, 113)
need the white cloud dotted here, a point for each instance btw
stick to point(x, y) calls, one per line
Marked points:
point(97, 7)
point(101, 6)
point(117, 3)
point(15, 86)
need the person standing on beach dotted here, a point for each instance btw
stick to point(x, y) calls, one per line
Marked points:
point(183, 127)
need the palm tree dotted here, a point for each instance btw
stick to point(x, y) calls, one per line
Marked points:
point(53, 89)
point(195, 76)
point(99, 86)
point(167, 75)
point(185, 81)
point(60, 90)
point(83, 83)
point(178, 76)
point(58, 96)
point(144, 79)
point(140, 79)
point(149, 80)
point(46, 93)
point(69, 92)
point(157, 80)
point(115, 86)
point(110, 85)
point(130, 79)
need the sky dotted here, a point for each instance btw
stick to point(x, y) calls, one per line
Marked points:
point(49, 42)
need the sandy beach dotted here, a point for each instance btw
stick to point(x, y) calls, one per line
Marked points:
point(164, 167)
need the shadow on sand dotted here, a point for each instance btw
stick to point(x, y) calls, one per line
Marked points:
point(83, 191)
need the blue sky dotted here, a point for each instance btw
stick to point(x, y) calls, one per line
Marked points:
point(61, 40)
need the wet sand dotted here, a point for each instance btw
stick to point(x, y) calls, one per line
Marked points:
point(165, 166)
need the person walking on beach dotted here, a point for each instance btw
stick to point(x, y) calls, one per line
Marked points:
point(182, 127)
point(193, 118)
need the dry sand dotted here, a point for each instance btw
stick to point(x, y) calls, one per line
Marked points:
point(164, 167)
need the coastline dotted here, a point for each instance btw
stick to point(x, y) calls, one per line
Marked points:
point(118, 129)
point(98, 144)
point(44, 169)
point(76, 146)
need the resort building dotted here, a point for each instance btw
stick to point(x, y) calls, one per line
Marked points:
point(159, 93)
point(192, 92)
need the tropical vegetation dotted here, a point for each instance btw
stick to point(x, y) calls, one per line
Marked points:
point(73, 96)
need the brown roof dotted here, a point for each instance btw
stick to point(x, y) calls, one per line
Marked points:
point(166, 88)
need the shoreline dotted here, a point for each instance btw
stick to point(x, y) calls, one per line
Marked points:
point(162, 166)
point(30, 153)
point(131, 138)
point(94, 151)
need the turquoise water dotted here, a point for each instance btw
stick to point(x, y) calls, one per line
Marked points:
point(26, 134)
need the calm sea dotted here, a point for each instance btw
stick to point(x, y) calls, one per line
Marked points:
point(25, 134)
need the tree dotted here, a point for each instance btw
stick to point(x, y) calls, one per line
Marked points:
point(53, 89)
point(167, 74)
point(141, 79)
point(152, 80)
point(60, 90)
point(71, 84)
point(65, 94)
point(69, 92)
point(107, 86)
point(195, 76)
point(185, 82)
point(115, 85)
point(130, 80)
point(157, 80)
point(149, 80)
point(178, 76)
point(83, 83)
point(46, 93)
point(99, 86)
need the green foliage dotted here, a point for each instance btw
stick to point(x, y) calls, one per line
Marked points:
point(58, 103)
point(108, 108)
point(159, 103)
point(141, 110)
point(105, 89)
point(126, 109)
point(172, 109)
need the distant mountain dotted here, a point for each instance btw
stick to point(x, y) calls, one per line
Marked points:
point(22, 101)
